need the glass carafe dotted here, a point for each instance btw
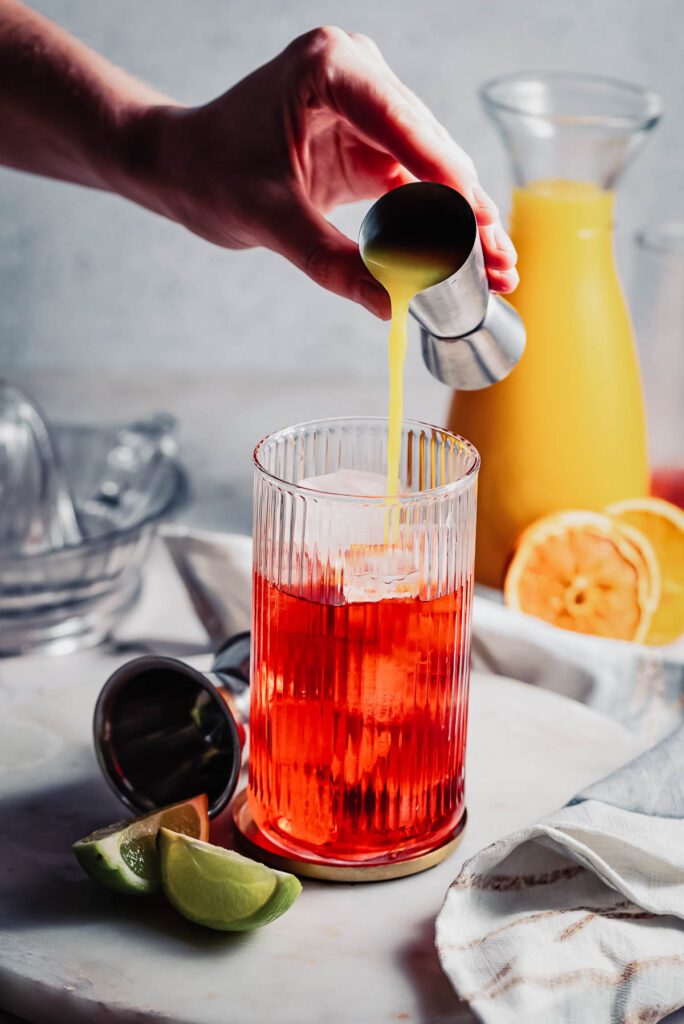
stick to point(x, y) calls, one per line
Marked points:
point(566, 428)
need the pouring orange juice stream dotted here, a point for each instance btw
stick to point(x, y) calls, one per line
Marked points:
point(403, 273)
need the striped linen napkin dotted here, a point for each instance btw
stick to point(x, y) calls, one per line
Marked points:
point(578, 919)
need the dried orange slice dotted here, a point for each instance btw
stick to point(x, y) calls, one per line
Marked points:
point(582, 571)
point(663, 524)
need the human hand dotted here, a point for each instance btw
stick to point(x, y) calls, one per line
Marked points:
point(325, 122)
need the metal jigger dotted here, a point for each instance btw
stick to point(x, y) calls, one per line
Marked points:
point(165, 732)
point(471, 338)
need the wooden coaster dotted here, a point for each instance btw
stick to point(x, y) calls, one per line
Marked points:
point(264, 849)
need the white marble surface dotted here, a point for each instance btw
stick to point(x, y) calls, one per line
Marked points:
point(344, 955)
point(71, 953)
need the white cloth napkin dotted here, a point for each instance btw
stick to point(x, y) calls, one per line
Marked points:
point(197, 590)
point(216, 569)
point(578, 919)
point(641, 687)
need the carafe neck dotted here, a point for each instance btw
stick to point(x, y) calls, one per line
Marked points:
point(581, 128)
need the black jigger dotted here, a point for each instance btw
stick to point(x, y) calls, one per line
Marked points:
point(165, 732)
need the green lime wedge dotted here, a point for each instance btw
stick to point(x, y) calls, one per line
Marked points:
point(219, 888)
point(124, 856)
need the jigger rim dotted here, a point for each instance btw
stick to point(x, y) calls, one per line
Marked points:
point(401, 193)
point(103, 746)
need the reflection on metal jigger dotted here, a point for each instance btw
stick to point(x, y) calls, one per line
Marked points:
point(470, 337)
point(165, 732)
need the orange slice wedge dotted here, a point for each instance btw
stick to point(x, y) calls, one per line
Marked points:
point(663, 525)
point(583, 571)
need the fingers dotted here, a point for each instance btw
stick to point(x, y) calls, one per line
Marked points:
point(484, 207)
point(503, 282)
point(329, 258)
point(498, 249)
point(349, 79)
point(355, 81)
point(500, 258)
point(486, 210)
point(373, 53)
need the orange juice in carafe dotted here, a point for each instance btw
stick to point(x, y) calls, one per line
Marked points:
point(566, 428)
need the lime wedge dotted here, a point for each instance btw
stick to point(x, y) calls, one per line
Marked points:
point(219, 888)
point(124, 857)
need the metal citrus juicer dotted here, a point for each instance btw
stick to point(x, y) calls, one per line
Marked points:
point(164, 731)
point(470, 337)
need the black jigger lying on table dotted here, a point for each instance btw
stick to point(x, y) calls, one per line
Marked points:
point(165, 732)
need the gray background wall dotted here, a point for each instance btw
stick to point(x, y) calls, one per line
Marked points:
point(89, 280)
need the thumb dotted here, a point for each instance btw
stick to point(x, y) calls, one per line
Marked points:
point(328, 257)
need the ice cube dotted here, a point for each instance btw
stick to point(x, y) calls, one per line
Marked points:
point(348, 481)
point(353, 535)
point(377, 572)
point(332, 524)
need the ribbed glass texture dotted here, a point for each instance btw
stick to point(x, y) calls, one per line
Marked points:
point(361, 639)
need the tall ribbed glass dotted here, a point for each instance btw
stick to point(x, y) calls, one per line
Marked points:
point(361, 639)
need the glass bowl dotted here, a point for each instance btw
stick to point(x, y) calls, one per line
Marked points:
point(59, 600)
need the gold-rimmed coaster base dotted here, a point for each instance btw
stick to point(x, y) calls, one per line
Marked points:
point(264, 849)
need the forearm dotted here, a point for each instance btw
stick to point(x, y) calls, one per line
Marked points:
point(67, 113)
point(324, 122)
